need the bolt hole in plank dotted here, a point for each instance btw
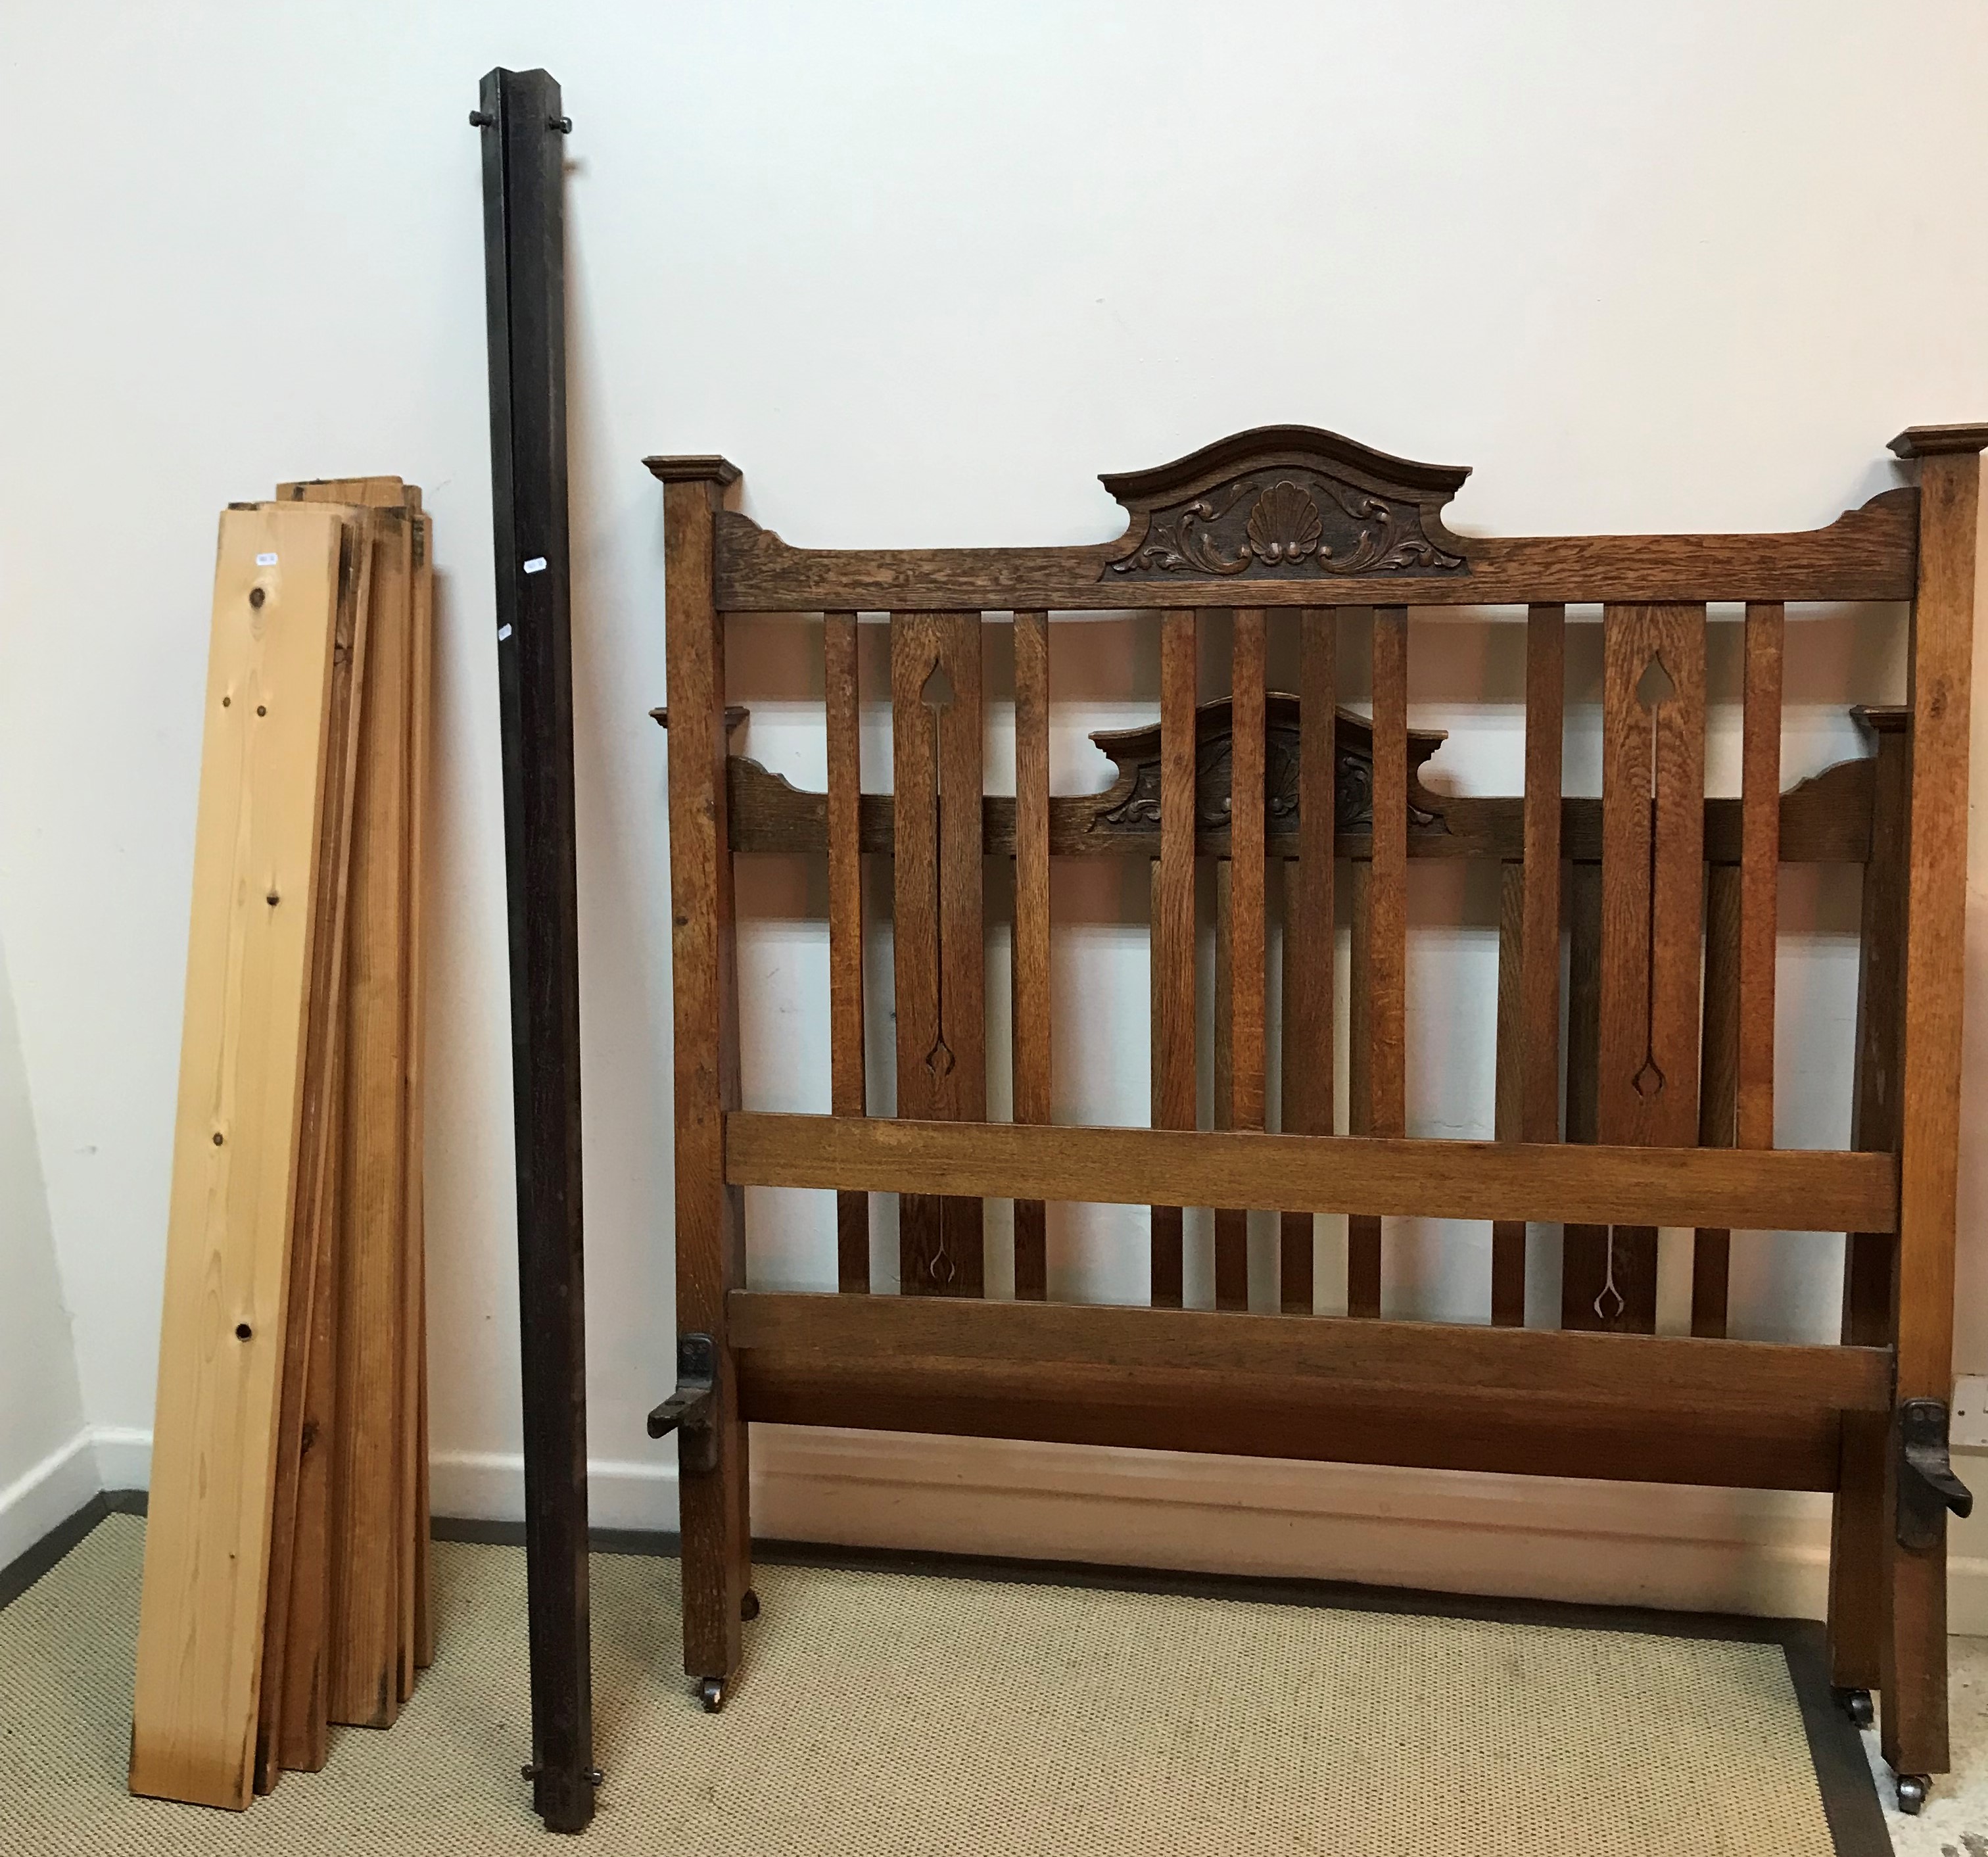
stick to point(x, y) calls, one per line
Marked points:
point(1655, 1109)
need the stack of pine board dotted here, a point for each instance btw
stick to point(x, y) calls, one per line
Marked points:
point(286, 1583)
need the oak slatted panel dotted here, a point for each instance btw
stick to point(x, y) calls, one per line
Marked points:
point(1309, 935)
point(935, 724)
point(1173, 928)
point(236, 1150)
point(1859, 1530)
point(845, 927)
point(1239, 958)
point(1508, 1236)
point(1652, 900)
point(1032, 927)
point(1712, 1245)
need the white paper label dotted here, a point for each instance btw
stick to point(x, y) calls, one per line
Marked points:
point(265, 561)
point(503, 632)
point(536, 565)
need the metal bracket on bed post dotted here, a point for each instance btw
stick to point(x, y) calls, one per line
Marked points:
point(1927, 1486)
point(692, 1409)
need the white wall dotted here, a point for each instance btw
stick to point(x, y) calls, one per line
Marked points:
point(45, 1465)
point(921, 271)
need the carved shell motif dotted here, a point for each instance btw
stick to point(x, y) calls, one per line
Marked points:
point(1285, 526)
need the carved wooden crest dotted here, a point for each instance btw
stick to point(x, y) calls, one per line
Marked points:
point(1287, 502)
point(1132, 803)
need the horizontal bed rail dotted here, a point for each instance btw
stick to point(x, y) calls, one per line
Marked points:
point(1649, 1372)
point(1747, 1189)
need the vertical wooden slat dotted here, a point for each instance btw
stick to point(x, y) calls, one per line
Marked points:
point(367, 1522)
point(236, 1152)
point(1584, 1248)
point(1759, 874)
point(1711, 1247)
point(321, 1125)
point(1241, 957)
point(935, 723)
point(1309, 934)
point(1032, 927)
point(1858, 1558)
point(845, 927)
point(710, 1215)
point(1508, 1236)
point(1363, 1230)
point(1653, 886)
point(1173, 931)
point(1539, 982)
point(1529, 947)
point(1915, 1721)
point(1387, 1075)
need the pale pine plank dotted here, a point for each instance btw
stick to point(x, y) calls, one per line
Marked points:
point(235, 1155)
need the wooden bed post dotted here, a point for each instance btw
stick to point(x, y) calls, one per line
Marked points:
point(1913, 1645)
point(711, 1485)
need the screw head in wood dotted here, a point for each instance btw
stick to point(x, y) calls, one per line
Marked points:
point(225, 701)
point(256, 596)
point(217, 1138)
point(262, 709)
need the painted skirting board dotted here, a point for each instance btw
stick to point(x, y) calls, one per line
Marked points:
point(1741, 1551)
point(47, 1494)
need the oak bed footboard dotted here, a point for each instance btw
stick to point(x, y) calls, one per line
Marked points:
point(1644, 1099)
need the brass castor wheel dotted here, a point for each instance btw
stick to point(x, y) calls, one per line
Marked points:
point(748, 1607)
point(1857, 1706)
point(711, 1692)
point(1912, 1793)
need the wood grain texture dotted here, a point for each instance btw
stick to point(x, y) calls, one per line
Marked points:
point(1173, 927)
point(1032, 927)
point(320, 1129)
point(1718, 1084)
point(1859, 1559)
point(1915, 1724)
point(1865, 554)
point(369, 1524)
point(1508, 1236)
point(1388, 919)
point(1601, 1369)
point(1584, 1252)
point(1309, 934)
point(1825, 818)
point(1240, 940)
point(1652, 900)
point(709, 1212)
point(235, 1153)
point(1759, 874)
point(420, 652)
point(1539, 941)
point(935, 717)
point(1791, 1188)
point(1450, 1428)
point(847, 1084)
point(1363, 1230)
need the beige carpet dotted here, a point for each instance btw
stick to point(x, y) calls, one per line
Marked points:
point(890, 1714)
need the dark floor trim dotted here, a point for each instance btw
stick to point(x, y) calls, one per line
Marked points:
point(21, 1573)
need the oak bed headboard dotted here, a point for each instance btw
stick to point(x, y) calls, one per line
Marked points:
point(1654, 1109)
